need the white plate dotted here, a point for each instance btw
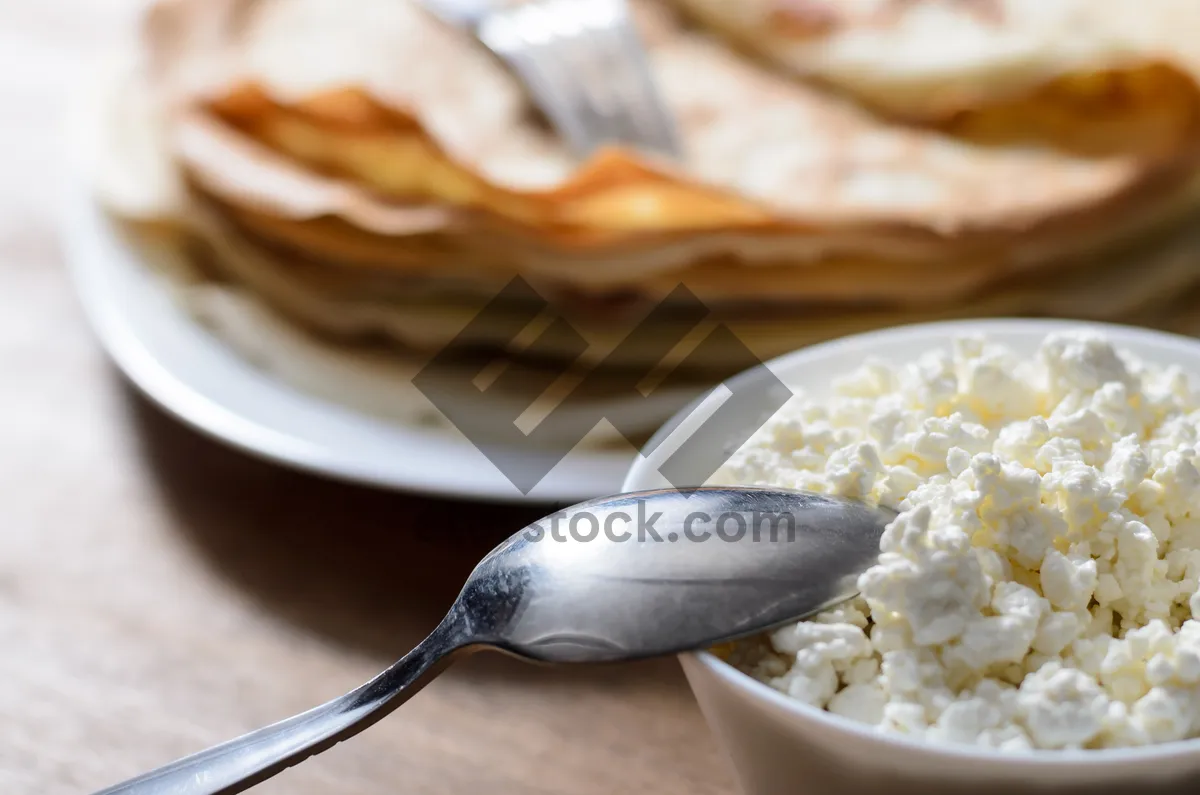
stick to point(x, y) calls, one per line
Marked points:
point(194, 376)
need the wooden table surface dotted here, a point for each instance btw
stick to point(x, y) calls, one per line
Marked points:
point(159, 593)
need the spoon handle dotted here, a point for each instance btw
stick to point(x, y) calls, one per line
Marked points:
point(241, 763)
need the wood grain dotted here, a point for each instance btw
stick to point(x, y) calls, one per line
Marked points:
point(159, 593)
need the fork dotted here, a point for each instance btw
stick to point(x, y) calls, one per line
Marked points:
point(582, 63)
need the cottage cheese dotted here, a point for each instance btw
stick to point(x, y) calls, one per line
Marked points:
point(1039, 586)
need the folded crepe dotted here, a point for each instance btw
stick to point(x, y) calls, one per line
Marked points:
point(1125, 284)
point(369, 174)
point(315, 214)
point(774, 169)
point(1091, 75)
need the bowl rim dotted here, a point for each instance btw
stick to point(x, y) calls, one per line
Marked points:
point(765, 697)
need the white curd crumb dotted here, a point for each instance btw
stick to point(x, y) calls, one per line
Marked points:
point(1039, 587)
point(861, 702)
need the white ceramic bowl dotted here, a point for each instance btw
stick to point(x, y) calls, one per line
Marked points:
point(779, 746)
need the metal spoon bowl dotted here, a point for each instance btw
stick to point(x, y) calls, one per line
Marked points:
point(614, 579)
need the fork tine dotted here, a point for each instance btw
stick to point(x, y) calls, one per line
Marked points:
point(595, 64)
point(583, 63)
point(628, 75)
point(624, 84)
point(572, 55)
point(521, 40)
point(650, 113)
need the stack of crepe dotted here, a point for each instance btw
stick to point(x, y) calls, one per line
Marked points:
point(370, 176)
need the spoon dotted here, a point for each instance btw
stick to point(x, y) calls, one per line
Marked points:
point(613, 579)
